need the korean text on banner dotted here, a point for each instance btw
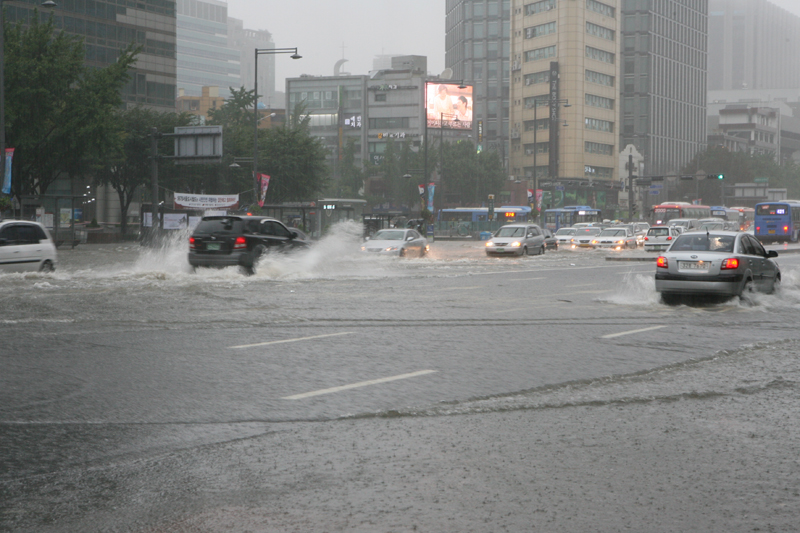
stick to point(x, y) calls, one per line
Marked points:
point(431, 187)
point(206, 201)
point(539, 195)
point(7, 171)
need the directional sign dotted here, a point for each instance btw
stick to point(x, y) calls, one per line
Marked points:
point(656, 185)
point(655, 191)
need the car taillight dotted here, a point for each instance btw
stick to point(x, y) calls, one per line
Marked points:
point(240, 244)
point(786, 229)
point(669, 238)
point(647, 238)
point(758, 228)
point(661, 262)
point(730, 264)
point(191, 243)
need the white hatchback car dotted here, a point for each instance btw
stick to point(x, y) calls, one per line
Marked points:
point(26, 247)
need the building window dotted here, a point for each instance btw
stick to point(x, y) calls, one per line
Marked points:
point(539, 124)
point(599, 55)
point(599, 31)
point(599, 7)
point(531, 101)
point(388, 123)
point(599, 78)
point(541, 29)
point(380, 97)
point(539, 148)
point(537, 77)
point(540, 53)
point(597, 172)
point(599, 101)
point(599, 125)
point(598, 148)
point(538, 7)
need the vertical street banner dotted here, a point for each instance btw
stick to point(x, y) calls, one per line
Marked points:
point(263, 180)
point(7, 171)
point(539, 196)
point(530, 196)
point(431, 187)
point(554, 124)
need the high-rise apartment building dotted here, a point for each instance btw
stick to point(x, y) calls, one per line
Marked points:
point(663, 86)
point(204, 56)
point(564, 98)
point(477, 49)
point(752, 44)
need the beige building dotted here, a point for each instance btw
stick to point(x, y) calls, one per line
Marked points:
point(564, 96)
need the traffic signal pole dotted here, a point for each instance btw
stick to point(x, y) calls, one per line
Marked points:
point(631, 201)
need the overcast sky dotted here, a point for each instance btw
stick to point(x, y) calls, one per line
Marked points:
point(366, 28)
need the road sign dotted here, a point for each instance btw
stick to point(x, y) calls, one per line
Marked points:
point(559, 187)
point(655, 191)
point(761, 180)
point(656, 185)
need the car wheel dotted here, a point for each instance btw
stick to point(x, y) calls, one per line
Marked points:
point(524, 251)
point(423, 251)
point(670, 299)
point(776, 285)
point(747, 291)
point(47, 266)
point(542, 250)
point(402, 252)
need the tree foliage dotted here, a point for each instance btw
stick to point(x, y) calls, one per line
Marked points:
point(128, 166)
point(468, 176)
point(59, 112)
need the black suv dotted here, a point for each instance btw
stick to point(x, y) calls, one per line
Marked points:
point(222, 241)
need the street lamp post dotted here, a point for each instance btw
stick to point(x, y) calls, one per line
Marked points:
point(46, 3)
point(563, 102)
point(258, 52)
point(454, 118)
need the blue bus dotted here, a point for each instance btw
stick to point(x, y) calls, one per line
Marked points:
point(564, 217)
point(777, 221)
point(465, 221)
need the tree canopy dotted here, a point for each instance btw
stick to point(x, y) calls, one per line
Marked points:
point(59, 112)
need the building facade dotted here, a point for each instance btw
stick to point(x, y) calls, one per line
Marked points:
point(246, 41)
point(664, 81)
point(204, 56)
point(477, 50)
point(753, 44)
point(564, 99)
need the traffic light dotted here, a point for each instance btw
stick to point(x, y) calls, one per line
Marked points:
point(720, 176)
point(716, 176)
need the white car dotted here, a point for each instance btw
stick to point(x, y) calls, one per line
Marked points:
point(400, 242)
point(26, 246)
point(659, 238)
point(564, 236)
point(516, 239)
point(617, 238)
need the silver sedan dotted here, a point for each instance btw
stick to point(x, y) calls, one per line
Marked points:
point(722, 263)
point(400, 242)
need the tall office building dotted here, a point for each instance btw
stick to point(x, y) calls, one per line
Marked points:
point(204, 57)
point(564, 98)
point(477, 49)
point(107, 28)
point(246, 41)
point(752, 44)
point(663, 86)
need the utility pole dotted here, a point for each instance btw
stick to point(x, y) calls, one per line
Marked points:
point(631, 201)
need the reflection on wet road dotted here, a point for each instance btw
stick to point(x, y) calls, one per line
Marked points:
point(157, 397)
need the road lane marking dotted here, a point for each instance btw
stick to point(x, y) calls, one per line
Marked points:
point(291, 340)
point(631, 332)
point(357, 385)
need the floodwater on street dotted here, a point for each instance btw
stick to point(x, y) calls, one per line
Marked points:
point(339, 391)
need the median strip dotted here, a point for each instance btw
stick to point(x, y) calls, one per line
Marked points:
point(357, 385)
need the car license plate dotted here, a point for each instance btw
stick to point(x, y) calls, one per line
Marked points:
point(693, 265)
point(212, 246)
point(772, 231)
point(500, 249)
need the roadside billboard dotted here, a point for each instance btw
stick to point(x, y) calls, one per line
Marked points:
point(447, 105)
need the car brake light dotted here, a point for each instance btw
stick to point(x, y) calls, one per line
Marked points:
point(730, 264)
point(786, 229)
point(758, 228)
point(240, 243)
point(647, 238)
point(669, 238)
point(191, 243)
point(661, 262)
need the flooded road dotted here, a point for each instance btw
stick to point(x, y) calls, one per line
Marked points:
point(334, 391)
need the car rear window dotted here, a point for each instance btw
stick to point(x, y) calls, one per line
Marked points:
point(658, 232)
point(222, 225)
point(703, 242)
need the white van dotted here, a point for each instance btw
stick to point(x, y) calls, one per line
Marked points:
point(25, 246)
point(688, 224)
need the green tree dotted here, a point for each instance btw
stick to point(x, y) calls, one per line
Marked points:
point(468, 176)
point(294, 159)
point(59, 112)
point(128, 166)
point(351, 175)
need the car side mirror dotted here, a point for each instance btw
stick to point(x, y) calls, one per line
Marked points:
point(366, 238)
point(530, 235)
point(293, 234)
point(410, 238)
point(772, 253)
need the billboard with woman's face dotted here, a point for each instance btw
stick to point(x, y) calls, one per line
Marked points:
point(446, 105)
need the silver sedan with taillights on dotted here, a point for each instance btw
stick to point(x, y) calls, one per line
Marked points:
point(721, 264)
